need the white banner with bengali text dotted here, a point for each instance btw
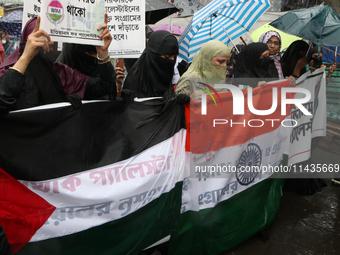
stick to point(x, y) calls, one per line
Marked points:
point(218, 175)
point(308, 127)
point(117, 189)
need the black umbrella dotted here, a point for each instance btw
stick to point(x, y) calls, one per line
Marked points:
point(158, 9)
point(319, 24)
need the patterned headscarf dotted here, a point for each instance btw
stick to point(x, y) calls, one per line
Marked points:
point(264, 38)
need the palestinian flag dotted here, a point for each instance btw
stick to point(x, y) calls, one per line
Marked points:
point(104, 179)
point(228, 195)
point(107, 178)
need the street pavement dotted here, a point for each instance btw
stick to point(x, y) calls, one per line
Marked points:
point(304, 225)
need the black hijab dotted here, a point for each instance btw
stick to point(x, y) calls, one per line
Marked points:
point(151, 75)
point(292, 55)
point(317, 62)
point(73, 55)
point(249, 65)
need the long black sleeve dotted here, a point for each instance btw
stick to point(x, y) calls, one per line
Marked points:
point(103, 84)
point(11, 84)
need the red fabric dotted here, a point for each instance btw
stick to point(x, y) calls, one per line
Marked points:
point(203, 137)
point(2, 55)
point(22, 212)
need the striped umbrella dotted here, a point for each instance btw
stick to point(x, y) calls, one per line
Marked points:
point(223, 20)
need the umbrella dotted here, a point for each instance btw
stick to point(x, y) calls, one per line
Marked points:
point(20, 2)
point(286, 39)
point(319, 24)
point(223, 20)
point(158, 9)
point(11, 23)
point(148, 31)
point(175, 30)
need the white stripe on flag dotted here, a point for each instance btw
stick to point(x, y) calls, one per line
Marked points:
point(206, 189)
point(95, 197)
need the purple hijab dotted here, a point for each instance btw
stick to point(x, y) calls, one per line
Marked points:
point(72, 80)
point(13, 58)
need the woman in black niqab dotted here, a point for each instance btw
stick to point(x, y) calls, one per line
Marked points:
point(75, 56)
point(250, 67)
point(151, 75)
point(293, 54)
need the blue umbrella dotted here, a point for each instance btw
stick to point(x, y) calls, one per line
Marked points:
point(223, 20)
point(11, 23)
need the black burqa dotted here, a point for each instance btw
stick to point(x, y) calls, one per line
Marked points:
point(151, 75)
point(250, 68)
point(317, 62)
point(294, 52)
point(102, 77)
point(74, 55)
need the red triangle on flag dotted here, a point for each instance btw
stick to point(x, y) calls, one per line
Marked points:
point(22, 212)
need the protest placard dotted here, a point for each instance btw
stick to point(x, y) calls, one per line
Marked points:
point(31, 9)
point(74, 21)
point(126, 23)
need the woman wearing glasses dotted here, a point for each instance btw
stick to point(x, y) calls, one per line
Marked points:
point(273, 41)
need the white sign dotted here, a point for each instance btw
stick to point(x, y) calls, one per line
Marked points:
point(308, 127)
point(126, 23)
point(74, 21)
point(31, 9)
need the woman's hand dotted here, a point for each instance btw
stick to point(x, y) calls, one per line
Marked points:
point(120, 75)
point(331, 70)
point(197, 95)
point(36, 40)
point(262, 83)
point(311, 67)
point(291, 79)
point(103, 51)
point(301, 63)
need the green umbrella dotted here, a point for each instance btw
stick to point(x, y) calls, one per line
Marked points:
point(317, 24)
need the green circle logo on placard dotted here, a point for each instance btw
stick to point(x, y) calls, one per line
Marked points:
point(55, 12)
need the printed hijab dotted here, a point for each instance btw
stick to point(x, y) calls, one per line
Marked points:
point(264, 38)
point(151, 75)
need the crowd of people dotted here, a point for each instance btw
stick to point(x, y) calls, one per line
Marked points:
point(85, 71)
point(34, 75)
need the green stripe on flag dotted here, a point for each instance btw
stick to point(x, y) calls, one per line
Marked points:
point(128, 235)
point(215, 230)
